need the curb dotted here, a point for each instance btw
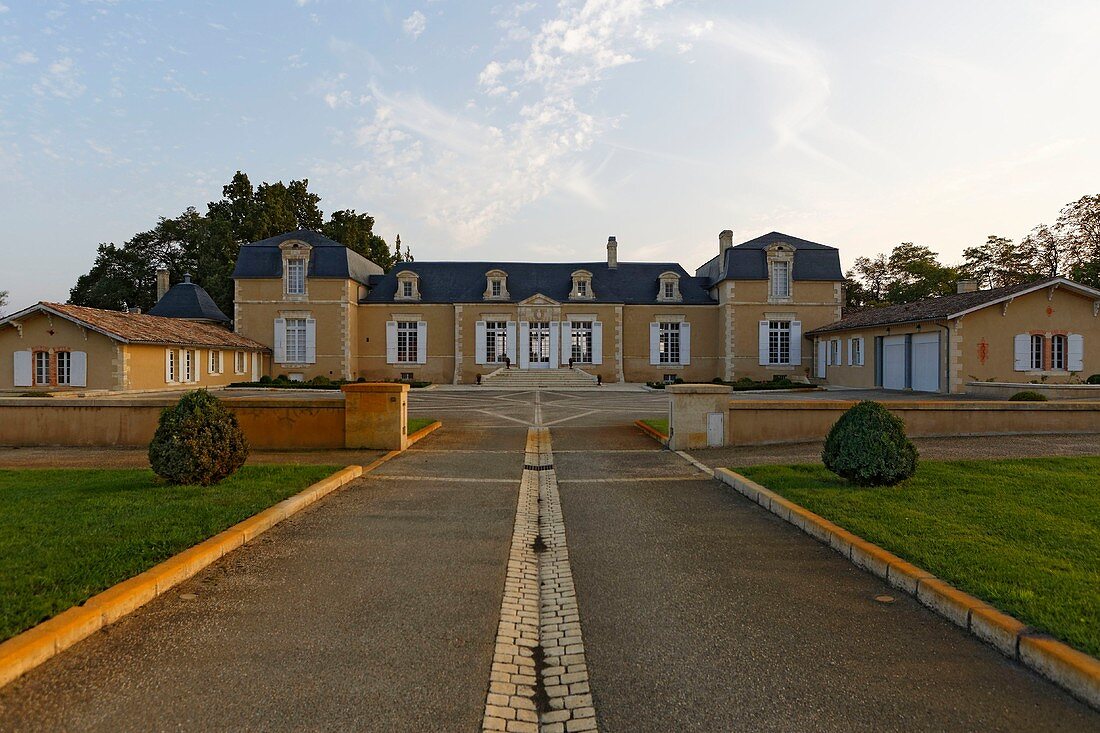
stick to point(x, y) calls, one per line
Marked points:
point(423, 432)
point(652, 432)
point(27, 650)
point(1072, 670)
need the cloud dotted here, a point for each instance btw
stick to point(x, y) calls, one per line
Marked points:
point(4, 8)
point(60, 80)
point(415, 24)
point(26, 57)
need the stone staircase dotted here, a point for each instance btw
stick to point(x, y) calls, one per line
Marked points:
point(563, 378)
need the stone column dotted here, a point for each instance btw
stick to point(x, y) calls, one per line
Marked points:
point(689, 407)
point(376, 415)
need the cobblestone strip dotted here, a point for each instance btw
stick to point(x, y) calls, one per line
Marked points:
point(510, 704)
point(564, 672)
point(539, 679)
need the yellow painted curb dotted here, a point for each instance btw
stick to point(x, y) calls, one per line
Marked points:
point(27, 650)
point(652, 432)
point(1074, 671)
point(424, 432)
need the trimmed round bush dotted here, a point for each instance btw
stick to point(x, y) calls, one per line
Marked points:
point(198, 441)
point(266, 379)
point(321, 380)
point(867, 446)
point(1094, 379)
point(1028, 396)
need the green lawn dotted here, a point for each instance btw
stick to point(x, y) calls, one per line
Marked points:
point(67, 534)
point(1023, 535)
point(658, 424)
point(418, 423)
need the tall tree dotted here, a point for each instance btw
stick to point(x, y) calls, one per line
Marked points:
point(867, 281)
point(356, 231)
point(1078, 227)
point(1000, 261)
point(916, 273)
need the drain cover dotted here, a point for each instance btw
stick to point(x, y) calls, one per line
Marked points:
point(884, 599)
point(188, 596)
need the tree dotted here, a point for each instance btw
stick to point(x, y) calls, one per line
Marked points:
point(3, 301)
point(867, 281)
point(1078, 227)
point(916, 273)
point(207, 245)
point(1000, 261)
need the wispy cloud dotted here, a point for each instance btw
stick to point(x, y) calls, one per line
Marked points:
point(26, 57)
point(60, 80)
point(415, 24)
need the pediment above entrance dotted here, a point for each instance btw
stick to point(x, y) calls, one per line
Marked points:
point(539, 299)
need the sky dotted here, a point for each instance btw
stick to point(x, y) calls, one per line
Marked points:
point(534, 130)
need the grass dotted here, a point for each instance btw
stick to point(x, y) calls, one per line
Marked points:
point(1023, 534)
point(418, 423)
point(67, 534)
point(660, 424)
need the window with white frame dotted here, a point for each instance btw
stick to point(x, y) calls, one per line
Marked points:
point(779, 342)
point(582, 288)
point(496, 288)
point(64, 367)
point(834, 352)
point(41, 367)
point(1058, 353)
point(781, 279)
point(296, 276)
point(407, 342)
point(188, 365)
point(239, 365)
point(215, 361)
point(408, 285)
point(295, 340)
point(670, 290)
point(668, 343)
point(857, 352)
point(496, 341)
point(172, 372)
point(407, 289)
point(581, 342)
point(1036, 351)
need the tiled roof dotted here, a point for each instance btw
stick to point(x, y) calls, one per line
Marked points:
point(749, 261)
point(327, 258)
point(936, 309)
point(464, 282)
point(188, 300)
point(139, 328)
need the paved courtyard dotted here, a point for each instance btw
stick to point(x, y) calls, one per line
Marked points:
point(404, 602)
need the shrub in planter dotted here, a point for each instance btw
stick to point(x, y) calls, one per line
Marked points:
point(1028, 396)
point(868, 447)
point(321, 380)
point(1094, 379)
point(198, 441)
point(265, 379)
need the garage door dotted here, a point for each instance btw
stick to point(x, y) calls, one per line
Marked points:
point(893, 362)
point(926, 362)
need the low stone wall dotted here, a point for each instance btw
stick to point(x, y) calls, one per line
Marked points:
point(1004, 390)
point(270, 424)
point(788, 421)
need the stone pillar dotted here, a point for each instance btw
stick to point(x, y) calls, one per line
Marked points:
point(689, 408)
point(376, 415)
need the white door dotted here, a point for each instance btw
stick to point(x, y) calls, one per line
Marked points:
point(716, 430)
point(538, 345)
point(926, 362)
point(893, 362)
point(822, 345)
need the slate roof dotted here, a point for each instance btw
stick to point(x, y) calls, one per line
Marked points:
point(748, 261)
point(464, 282)
point(139, 328)
point(942, 308)
point(328, 258)
point(188, 300)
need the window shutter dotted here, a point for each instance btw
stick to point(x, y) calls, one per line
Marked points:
point(555, 346)
point(524, 344)
point(1022, 352)
point(763, 343)
point(78, 368)
point(391, 342)
point(510, 346)
point(685, 343)
point(280, 340)
point(655, 343)
point(480, 336)
point(22, 361)
point(167, 365)
point(862, 351)
point(839, 354)
point(597, 342)
point(257, 363)
point(311, 341)
point(850, 353)
point(796, 343)
point(1075, 346)
point(421, 342)
point(566, 341)
point(196, 364)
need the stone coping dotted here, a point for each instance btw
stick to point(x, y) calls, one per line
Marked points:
point(165, 402)
point(371, 387)
point(1038, 387)
point(927, 405)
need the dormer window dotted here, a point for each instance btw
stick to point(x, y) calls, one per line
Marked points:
point(496, 285)
point(669, 288)
point(295, 268)
point(408, 286)
point(582, 286)
point(780, 266)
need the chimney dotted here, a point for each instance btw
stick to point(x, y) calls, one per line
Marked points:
point(162, 283)
point(966, 286)
point(187, 279)
point(612, 253)
point(725, 240)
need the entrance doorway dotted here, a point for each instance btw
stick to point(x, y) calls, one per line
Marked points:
point(538, 349)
